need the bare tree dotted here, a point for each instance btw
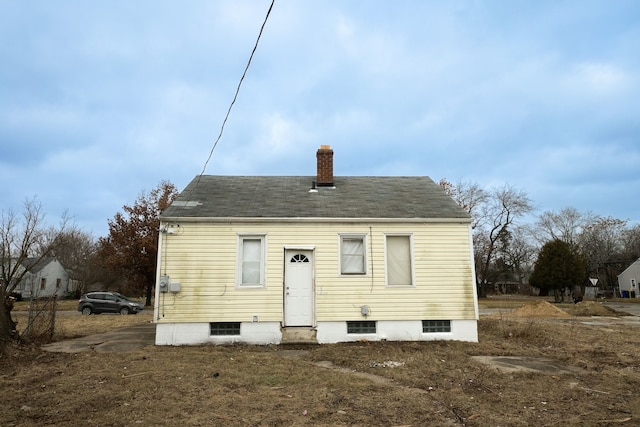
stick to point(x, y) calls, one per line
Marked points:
point(601, 243)
point(518, 254)
point(631, 243)
point(77, 252)
point(22, 236)
point(504, 206)
point(494, 214)
point(565, 225)
point(469, 195)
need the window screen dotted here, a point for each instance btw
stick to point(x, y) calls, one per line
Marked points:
point(251, 264)
point(399, 261)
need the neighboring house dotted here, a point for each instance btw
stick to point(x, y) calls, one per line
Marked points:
point(629, 279)
point(271, 259)
point(44, 279)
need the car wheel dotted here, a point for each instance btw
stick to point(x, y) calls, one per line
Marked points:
point(124, 310)
point(86, 311)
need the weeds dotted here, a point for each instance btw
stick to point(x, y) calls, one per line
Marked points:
point(429, 383)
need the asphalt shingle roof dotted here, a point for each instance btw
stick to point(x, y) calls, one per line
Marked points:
point(212, 196)
point(35, 264)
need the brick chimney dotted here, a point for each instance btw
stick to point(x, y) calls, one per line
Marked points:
point(325, 166)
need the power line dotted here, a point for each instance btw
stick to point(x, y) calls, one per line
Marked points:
point(188, 194)
point(197, 181)
point(224, 122)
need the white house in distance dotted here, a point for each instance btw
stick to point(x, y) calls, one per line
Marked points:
point(628, 280)
point(276, 259)
point(45, 278)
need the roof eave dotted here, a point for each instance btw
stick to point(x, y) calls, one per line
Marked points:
point(174, 219)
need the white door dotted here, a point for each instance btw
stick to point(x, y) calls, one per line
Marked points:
point(298, 288)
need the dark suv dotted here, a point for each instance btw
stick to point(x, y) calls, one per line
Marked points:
point(108, 302)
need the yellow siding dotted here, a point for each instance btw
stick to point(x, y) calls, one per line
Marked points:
point(202, 257)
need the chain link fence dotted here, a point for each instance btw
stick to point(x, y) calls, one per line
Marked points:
point(41, 321)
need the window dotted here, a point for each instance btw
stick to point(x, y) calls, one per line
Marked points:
point(43, 283)
point(299, 258)
point(361, 327)
point(399, 261)
point(224, 328)
point(58, 283)
point(353, 254)
point(251, 261)
point(431, 326)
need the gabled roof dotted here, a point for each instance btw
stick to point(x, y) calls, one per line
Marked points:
point(209, 196)
point(34, 265)
point(633, 266)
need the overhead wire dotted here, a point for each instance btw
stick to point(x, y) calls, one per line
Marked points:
point(233, 101)
point(224, 122)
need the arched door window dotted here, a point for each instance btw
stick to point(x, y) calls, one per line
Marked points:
point(299, 258)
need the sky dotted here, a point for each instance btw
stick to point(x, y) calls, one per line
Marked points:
point(103, 100)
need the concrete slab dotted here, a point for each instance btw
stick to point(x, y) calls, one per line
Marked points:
point(511, 364)
point(120, 340)
point(628, 307)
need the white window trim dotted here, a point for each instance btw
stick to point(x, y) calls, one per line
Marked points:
point(365, 244)
point(263, 260)
point(411, 257)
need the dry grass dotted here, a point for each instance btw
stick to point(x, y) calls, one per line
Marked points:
point(71, 324)
point(430, 383)
point(75, 325)
point(62, 305)
point(516, 301)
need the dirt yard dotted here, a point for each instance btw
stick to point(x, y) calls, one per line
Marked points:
point(535, 366)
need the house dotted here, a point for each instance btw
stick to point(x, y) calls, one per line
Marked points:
point(326, 259)
point(628, 280)
point(45, 278)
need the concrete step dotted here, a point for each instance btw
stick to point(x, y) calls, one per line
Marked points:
point(299, 335)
